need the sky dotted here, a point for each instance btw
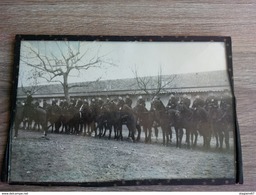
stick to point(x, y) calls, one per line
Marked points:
point(120, 59)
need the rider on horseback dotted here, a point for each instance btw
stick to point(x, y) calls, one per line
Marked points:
point(186, 101)
point(128, 101)
point(211, 102)
point(198, 102)
point(157, 104)
point(141, 101)
point(172, 103)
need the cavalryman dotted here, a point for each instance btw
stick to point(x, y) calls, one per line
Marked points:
point(54, 108)
point(186, 101)
point(45, 104)
point(198, 102)
point(79, 103)
point(157, 104)
point(172, 103)
point(120, 102)
point(226, 101)
point(29, 99)
point(93, 105)
point(211, 101)
point(141, 101)
point(128, 101)
point(100, 102)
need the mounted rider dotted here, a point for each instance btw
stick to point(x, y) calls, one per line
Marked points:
point(141, 101)
point(198, 103)
point(211, 102)
point(186, 101)
point(157, 104)
point(120, 103)
point(128, 101)
point(172, 103)
point(226, 101)
point(29, 98)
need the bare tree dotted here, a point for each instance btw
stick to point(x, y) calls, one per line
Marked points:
point(154, 85)
point(57, 66)
point(33, 82)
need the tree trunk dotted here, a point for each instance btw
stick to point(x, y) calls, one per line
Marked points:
point(65, 87)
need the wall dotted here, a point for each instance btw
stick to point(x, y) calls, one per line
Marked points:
point(146, 17)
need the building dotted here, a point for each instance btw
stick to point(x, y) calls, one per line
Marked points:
point(191, 84)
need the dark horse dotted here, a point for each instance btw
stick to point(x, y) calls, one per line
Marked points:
point(103, 119)
point(221, 121)
point(54, 117)
point(36, 114)
point(202, 124)
point(184, 119)
point(144, 120)
point(110, 118)
point(126, 116)
point(164, 119)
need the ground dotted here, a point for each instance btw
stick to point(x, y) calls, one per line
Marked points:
point(76, 158)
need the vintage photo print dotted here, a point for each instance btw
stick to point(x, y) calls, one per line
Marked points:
point(99, 111)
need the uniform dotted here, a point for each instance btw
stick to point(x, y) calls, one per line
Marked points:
point(128, 101)
point(172, 103)
point(141, 101)
point(211, 101)
point(157, 104)
point(198, 102)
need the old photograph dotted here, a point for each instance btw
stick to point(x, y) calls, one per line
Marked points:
point(118, 111)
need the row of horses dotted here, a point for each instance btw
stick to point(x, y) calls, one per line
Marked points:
point(98, 120)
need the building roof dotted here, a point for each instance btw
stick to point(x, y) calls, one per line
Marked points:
point(181, 83)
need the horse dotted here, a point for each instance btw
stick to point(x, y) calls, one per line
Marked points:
point(54, 117)
point(162, 118)
point(126, 116)
point(19, 116)
point(103, 121)
point(27, 116)
point(37, 114)
point(75, 119)
point(111, 118)
point(184, 119)
point(145, 120)
point(202, 124)
point(226, 124)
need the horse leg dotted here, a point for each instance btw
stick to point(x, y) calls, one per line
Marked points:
point(156, 132)
point(163, 132)
point(208, 141)
point(104, 129)
point(16, 127)
point(192, 135)
point(170, 133)
point(57, 126)
point(167, 137)
point(195, 141)
point(177, 136)
point(94, 128)
point(138, 127)
point(226, 135)
point(216, 135)
point(146, 134)
point(180, 137)
point(110, 131)
point(89, 130)
point(188, 134)
point(132, 129)
point(52, 124)
point(121, 133)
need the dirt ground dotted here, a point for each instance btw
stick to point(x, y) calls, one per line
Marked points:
point(73, 158)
